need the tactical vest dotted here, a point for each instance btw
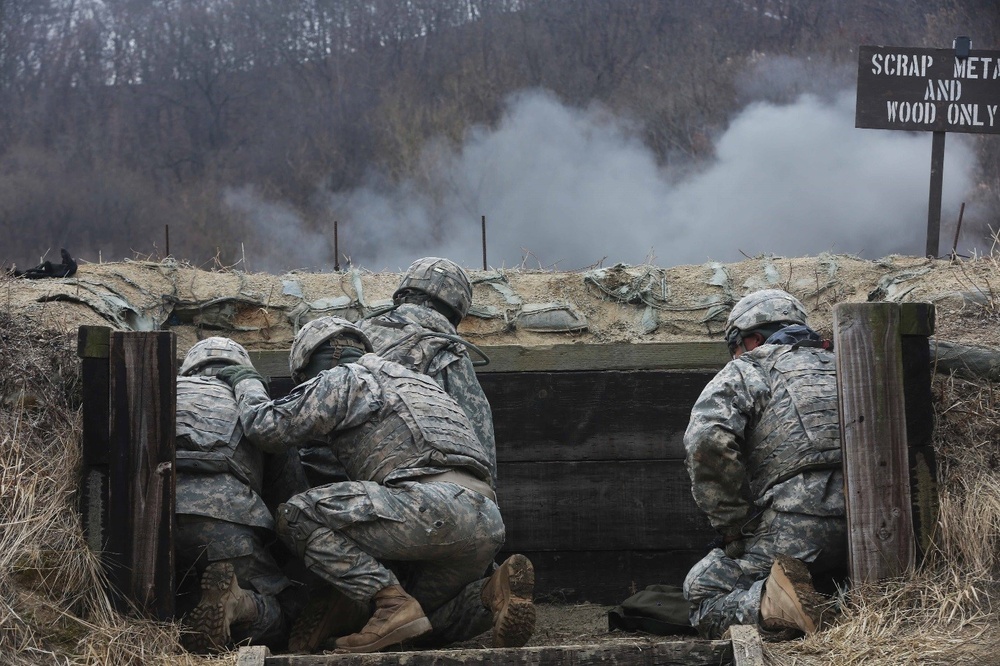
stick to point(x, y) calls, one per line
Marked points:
point(799, 429)
point(418, 426)
point(407, 336)
point(220, 474)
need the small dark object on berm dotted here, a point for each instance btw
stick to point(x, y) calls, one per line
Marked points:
point(47, 269)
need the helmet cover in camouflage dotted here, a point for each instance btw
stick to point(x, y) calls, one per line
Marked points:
point(214, 350)
point(442, 279)
point(767, 306)
point(315, 333)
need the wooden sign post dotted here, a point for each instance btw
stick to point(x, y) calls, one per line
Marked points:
point(932, 90)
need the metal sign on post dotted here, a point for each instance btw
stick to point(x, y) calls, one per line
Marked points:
point(933, 90)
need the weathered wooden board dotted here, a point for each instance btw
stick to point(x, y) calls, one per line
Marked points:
point(143, 371)
point(663, 653)
point(566, 357)
point(873, 430)
point(627, 505)
point(591, 415)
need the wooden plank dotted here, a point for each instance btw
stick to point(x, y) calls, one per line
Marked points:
point(566, 357)
point(748, 650)
point(644, 504)
point(659, 653)
point(873, 430)
point(919, 437)
point(592, 415)
point(143, 410)
point(253, 655)
point(93, 350)
point(606, 577)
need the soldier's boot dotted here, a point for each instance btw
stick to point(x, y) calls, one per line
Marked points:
point(790, 601)
point(508, 595)
point(223, 603)
point(398, 617)
point(328, 612)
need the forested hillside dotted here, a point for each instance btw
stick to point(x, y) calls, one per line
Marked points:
point(229, 128)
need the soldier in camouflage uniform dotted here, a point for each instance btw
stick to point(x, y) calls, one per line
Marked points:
point(421, 495)
point(420, 332)
point(222, 522)
point(764, 457)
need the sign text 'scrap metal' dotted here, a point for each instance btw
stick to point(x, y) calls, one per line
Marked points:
point(934, 90)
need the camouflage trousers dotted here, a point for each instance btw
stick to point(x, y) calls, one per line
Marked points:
point(437, 540)
point(200, 541)
point(726, 591)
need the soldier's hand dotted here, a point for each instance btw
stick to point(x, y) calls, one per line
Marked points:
point(234, 374)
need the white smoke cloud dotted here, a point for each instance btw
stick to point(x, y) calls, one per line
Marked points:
point(281, 240)
point(567, 188)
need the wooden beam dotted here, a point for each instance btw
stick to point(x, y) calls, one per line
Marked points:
point(639, 653)
point(566, 357)
point(873, 431)
point(93, 350)
point(748, 650)
point(143, 410)
point(920, 420)
point(592, 415)
point(594, 505)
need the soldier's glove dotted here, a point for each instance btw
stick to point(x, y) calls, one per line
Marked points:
point(234, 374)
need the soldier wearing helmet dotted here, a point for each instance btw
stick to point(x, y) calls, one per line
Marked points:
point(222, 520)
point(420, 333)
point(764, 457)
point(420, 494)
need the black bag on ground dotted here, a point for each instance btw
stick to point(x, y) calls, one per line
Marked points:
point(659, 609)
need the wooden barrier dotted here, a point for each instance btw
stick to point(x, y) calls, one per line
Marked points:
point(884, 406)
point(128, 451)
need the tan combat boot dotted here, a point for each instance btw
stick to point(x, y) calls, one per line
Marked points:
point(790, 601)
point(329, 613)
point(398, 617)
point(508, 594)
point(223, 603)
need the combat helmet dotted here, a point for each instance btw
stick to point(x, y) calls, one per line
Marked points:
point(214, 350)
point(340, 332)
point(442, 280)
point(761, 308)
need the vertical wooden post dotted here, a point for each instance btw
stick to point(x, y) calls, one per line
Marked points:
point(934, 200)
point(916, 326)
point(873, 434)
point(92, 348)
point(142, 392)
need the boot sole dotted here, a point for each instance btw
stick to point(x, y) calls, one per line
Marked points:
point(208, 618)
point(411, 629)
point(794, 578)
point(514, 622)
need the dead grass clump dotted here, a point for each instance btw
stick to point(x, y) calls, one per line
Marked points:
point(53, 609)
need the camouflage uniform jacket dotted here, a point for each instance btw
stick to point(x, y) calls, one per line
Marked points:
point(406, 335)
point(384, 422)
point(219, 473)
point(765, 431)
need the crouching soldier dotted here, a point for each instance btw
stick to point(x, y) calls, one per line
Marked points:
point(763, 453)
point(420, 502)
point(222, 521)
